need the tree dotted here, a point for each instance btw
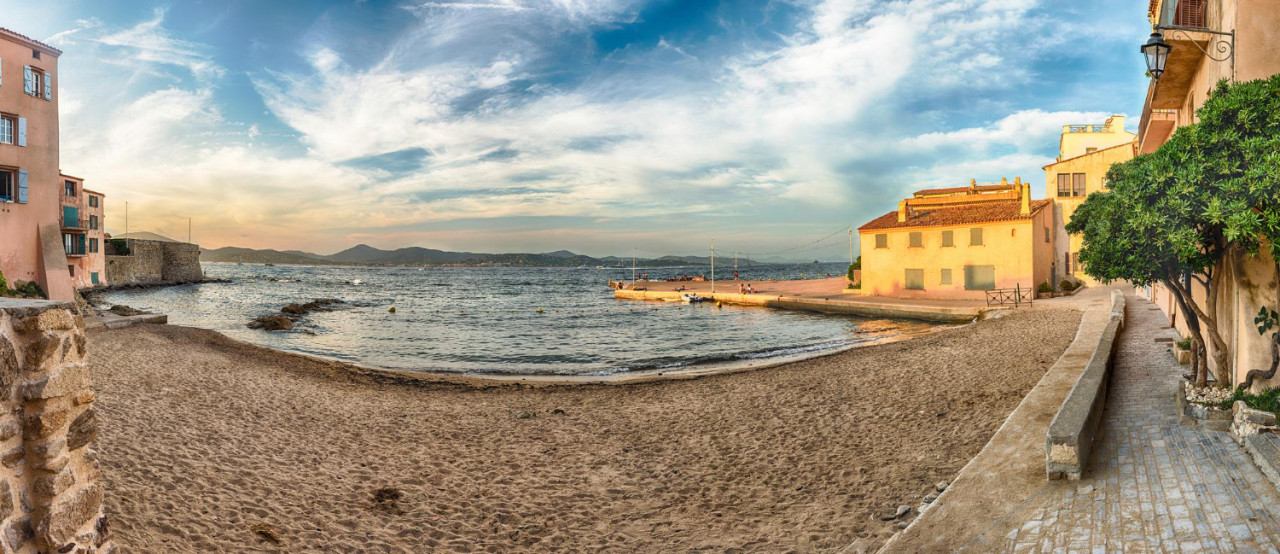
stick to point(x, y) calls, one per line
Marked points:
point(1208, 197)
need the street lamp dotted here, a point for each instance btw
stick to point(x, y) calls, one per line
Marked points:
point(1157, 52)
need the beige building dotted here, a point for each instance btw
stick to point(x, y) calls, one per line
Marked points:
point(1202, 54)
point(959, 243)
point(1085, 153)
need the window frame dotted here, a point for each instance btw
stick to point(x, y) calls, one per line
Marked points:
point(915, 239)
point(981, 239)
point(882, 241)
point(1078, 179)
point(1064, 185)
point(71, 186)
point(949, 239)
point(37, 76)
point(944, 276)
point(12, 197)
point(13, 129)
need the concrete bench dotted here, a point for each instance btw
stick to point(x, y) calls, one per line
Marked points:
point(1074, 428)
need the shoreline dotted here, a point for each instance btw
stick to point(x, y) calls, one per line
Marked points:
point(621, 377)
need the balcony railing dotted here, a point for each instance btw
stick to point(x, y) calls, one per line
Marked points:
point(1085, 128)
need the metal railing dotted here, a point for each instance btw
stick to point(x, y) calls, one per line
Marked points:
point(74, 222)
point(1017, 296)
point(1086, 128)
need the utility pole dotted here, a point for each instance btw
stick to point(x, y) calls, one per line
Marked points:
point(713, 266)
point(735, 264)
point(633, 265)
point(851, 245)
point(128, 240)
point(188, 230)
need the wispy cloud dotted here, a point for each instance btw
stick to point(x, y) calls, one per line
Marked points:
point(149, 41)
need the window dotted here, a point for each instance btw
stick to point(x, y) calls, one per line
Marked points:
point(1077, 184)
point(35, 54)
point(1046, 234)
point(8, 129)
point(916, 240)
point(915, 279)
point(946, 276)
point(93, 246)
point(93, 223)
point(37, 83)
point(69, 188)
point(882, 240)
point(6, 185)
point(93, 201)
point(1075, 262)
point(948, 238)
point(979, 277)
point(1064, 185)
point(1066, 263)
point(975, 236)
point(73, 243)
point(1090, 150)
point(93, 278)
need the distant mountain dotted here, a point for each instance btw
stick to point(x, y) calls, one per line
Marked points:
point(363, 254)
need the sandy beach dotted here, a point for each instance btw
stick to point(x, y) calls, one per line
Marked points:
point(208, 444)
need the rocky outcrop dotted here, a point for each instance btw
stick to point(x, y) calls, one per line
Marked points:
point(292, 314)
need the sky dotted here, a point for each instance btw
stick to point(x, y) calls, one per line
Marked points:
point(592, 126)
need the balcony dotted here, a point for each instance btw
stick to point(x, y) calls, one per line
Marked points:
point(1155, 129)
point(74, 223)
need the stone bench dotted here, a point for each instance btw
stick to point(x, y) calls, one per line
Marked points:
point(1073, 430)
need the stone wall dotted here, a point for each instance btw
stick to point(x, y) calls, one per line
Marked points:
point(51, 493)
point(152, 262)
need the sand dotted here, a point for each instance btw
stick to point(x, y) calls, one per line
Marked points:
point(207, 444)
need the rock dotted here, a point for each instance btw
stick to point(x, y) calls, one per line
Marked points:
point(1246, 421)
point(941, 486)
point(272, 323)
point(902, 525)
point(901, 511)
point(69, 514)
point(929, 498)
point(266, 533)
point(293, 309)
point(121, 309)
point(557, 411)
point(387, 499)
point(524, 414)
point(82, 430)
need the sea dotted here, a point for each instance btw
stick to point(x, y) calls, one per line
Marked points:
point(506, 320)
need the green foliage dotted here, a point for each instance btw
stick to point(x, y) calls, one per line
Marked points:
point(29, 289)
point(1184, 343)
point(1044, 287)
point(3, 284)
point(1268, 401)
point(1066, 286)
point(121, 246)
point(1266, 320)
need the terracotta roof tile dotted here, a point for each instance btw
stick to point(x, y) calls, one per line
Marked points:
point(961, 214)
point(20, 36)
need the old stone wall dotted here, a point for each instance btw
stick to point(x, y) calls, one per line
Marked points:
point(51, 493)
point(152, 262)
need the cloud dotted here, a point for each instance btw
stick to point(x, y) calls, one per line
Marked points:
point(149, 41)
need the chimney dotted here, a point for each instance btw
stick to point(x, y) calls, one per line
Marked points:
point(973, 185)
point(1004, 181)
point(902, 211)
point(1024, 190)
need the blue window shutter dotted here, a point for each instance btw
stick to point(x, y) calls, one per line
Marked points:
point(22, 131)
point(28, 81)
point(22, 186)
point(48, 86)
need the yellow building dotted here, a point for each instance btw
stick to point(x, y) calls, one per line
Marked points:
point(959, 242)
point(1085, 153)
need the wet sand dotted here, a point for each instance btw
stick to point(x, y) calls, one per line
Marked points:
point(208, 444)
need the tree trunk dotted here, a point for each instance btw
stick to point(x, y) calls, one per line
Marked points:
point(1198, 369)
point(1201, 324)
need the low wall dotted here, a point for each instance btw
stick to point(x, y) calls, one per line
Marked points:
point(850, 306)
point(1069, 441)
point(152, 262)
point(50, 491)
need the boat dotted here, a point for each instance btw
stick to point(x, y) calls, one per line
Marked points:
point(693, 299)
point(357, 282)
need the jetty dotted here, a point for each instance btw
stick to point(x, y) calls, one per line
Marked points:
point(814, 295)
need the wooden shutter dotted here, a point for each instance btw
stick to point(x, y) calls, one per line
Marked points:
point(917, 239)
point(22, 186)
point(28, 81)
point(948, 238)
point(975, 236)
point(22, 131)
point(979, 277)
point(48, 86)
point(915, 279)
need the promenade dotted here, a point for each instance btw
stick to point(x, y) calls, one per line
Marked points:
point(1153, 484)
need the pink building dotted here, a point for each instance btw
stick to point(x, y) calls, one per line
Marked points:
point(80, 211)
point(31, 247)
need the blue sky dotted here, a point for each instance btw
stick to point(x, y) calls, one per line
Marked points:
point(536, 125)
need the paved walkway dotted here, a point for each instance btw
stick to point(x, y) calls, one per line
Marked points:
point(1153, 486)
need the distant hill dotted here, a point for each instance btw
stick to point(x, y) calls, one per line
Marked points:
point(363, 254)
point(144, 235)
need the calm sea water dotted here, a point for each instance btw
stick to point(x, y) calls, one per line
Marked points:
point(486, 320)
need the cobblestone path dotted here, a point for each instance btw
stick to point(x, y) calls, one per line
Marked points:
point(1154, 486)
